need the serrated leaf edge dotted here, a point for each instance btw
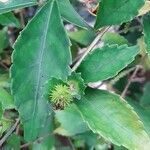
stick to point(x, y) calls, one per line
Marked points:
point(110, 46)
point(141, 125)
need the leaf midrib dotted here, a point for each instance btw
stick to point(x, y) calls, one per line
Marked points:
point(41, 54)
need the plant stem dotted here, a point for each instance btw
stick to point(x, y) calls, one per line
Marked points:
point(96, 40)
point(130, 81)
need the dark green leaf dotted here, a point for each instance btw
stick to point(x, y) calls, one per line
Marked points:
point(39, 55)
point(115, 12)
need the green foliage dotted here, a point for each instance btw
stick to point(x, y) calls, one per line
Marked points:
point(13, 142)
point(6, 99)
point(98, 65)
point(69, 14)
point(83, 37)
point(77, 85)
point(66, 118)
point(146, 27)
point(110, 116)
point(10, 5)
point(114, 12)
point(4, 40)
point(39, 60)
point(59, 63)
point(8, 19)
point(143, 114)
point(113, 38)
point(5, 125)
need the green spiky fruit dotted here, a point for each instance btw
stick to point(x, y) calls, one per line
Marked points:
point(61, 96)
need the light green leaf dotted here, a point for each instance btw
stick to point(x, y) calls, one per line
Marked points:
point(39, 55)
point(143, 114)
point(146, 26)
point(10, 5)
point(69, 14)
point(6, 99)
point(5, 124)
point(83, 37)
point(110, 116)
point(115, 12)
point(145, 99)
point(106, 62)
point(4, 80)
point(8, 19)
point(114, 38)
point(71, 120)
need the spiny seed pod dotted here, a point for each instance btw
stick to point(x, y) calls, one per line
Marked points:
point(61, 96)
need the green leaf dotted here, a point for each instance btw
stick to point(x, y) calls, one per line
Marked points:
point(10, 5)
point(115, 12)
point(8, 19)
point(13, 142)
point(143, 114)
point(83, 37)
point(6, 99)
point(3, 39)
point(106, 62)
point(114, 38)
point(119, 148)
point(39, 55)
point(76, 84)
point(1, 111)
point(146, 28)
point(5, 124)
point(70, 15)
point(110, 116)
point(71, 121)
point(4, 80)
point(89, 138)
point(145, 99)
